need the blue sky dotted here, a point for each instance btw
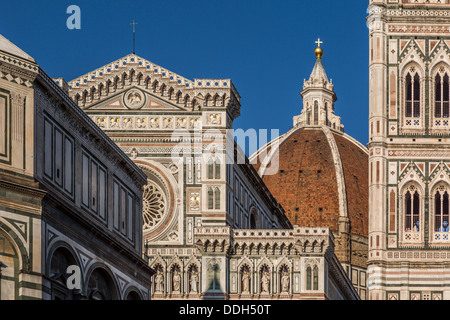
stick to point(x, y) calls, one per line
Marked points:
point(265, 47)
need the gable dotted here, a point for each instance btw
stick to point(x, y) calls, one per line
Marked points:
point(134, 83)
point(132, 99)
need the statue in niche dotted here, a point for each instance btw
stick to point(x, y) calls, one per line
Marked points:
point(159, 282)
point(246, 280)
point(194, 281)
point(176, 280)
point(285, 282)
point(265, 281)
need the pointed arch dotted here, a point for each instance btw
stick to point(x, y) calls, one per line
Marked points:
point(101, 86)
point(155, 86)
point(131, 75)
point(284, 277)
point(411, 212)
point(84, 97)
point(124, 77)
point(147, 82)
point(193, 276)
point(162, 89)
point(108, 86)
point(316, 113)
point(186, 100)
point(139, 78)
point(116, 82)
point(412, 79)
point(440, 96)
point(77, 99)
point(170, 93)
point(178, 97)
point(92, 93)
point(208, 100)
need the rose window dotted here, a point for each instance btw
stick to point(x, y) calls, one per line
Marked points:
point(154, 205)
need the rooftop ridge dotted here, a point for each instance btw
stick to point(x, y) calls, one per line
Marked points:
point(8, 47)
point(124, 62)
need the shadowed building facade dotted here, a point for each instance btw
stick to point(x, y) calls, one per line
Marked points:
point(68, 195)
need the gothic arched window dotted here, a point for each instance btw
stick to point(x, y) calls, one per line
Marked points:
point(214, 169)
point(252, 221)
point(217, 199)
point(441, 209)
point(214, 198)
point(412, 89)
point(312, 278)
point(308, 278)
point(412, 210)
point(442, 92)
point(316, 113)
point(316, 278)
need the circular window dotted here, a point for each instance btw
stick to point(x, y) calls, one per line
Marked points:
point(154, 205)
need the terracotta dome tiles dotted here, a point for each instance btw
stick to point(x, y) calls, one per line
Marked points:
point(306, 184)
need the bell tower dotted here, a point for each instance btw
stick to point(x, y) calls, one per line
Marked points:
point(318, 97)
point(409, 139)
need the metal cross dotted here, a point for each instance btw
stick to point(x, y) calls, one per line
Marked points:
point(134, 36)
point(319, 42)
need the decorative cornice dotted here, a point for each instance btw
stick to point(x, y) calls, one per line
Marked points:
point(17, 70)
point(406, 12)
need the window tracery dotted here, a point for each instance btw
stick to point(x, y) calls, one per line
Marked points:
point(214, 198)
point(154, 205)
point(441, 97)
point(411, 211)
point(440, 203)
point(312, 277)
point(412, 90)
point(214, 169)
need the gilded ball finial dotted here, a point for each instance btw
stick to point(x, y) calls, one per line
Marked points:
point(318, 51)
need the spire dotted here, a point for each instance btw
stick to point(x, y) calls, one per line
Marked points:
point(134, 36)
point(318, 98)
point(318, 73)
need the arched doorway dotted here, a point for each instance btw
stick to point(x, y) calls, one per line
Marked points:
point(9, 268)
point(62, 258)
point(133, 295)
point(101, 286)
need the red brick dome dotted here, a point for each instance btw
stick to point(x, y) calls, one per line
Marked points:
point(322, 177)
